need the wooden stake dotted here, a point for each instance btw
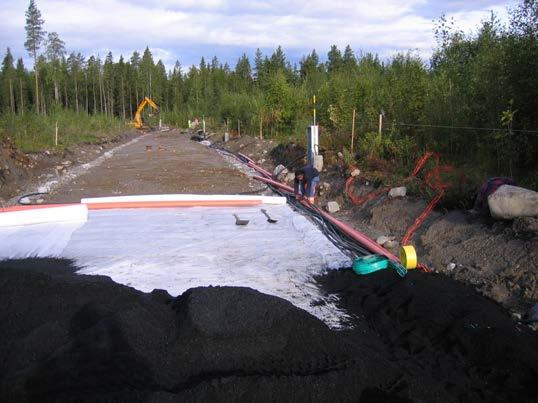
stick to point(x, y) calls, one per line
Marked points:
point(56, 135)
point(238, 128)
point(380, 124)
point(261, 126)
point(352, 130)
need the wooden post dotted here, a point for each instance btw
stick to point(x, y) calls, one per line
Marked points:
point(238, 128)
point(261, 126)
point(56, 135)
point(226, 125)
point(380, 124)
point(352, 130)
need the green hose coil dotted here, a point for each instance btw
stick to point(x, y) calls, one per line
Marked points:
point(372, 263)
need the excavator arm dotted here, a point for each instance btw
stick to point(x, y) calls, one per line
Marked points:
point(138, 123)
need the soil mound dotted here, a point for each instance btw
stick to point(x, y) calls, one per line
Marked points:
point(68, 337)
point(291, 155)
point(460, 339)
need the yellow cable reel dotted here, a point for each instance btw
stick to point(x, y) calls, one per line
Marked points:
point(408, 257)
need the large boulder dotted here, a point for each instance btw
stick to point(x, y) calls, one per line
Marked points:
point(510, 202)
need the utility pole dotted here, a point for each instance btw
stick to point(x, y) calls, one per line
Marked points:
point(314, 101)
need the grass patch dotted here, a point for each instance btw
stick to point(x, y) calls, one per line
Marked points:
point(33, 132)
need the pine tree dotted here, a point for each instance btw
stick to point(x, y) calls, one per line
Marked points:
point(8, 76)
point(349, 61)
point(334, 59)
point(146, 73)
point(21, 78)
point(55, 53)
point(34, 37)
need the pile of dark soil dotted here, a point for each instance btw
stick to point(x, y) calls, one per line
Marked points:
point(67, 337)
point(291, 155)
point(432, 324)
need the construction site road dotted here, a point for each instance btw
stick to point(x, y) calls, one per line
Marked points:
point(154, 163)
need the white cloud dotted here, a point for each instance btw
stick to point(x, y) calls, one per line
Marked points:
point(169, 27)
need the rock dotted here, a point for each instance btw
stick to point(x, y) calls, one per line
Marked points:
point(326, 186)
point(355, 172)
point(382, 240)
point(60, 167)
point(392, 244)
point(280, 171)
point(40, 201)
point(340, 155)
point(241, 145)
point(516, 315)
point(67, 163)
point(510, 202)
point(398, 192)
point(451, 266)
point(333, 207)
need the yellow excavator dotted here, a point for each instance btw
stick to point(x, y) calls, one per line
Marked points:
point(138, 122)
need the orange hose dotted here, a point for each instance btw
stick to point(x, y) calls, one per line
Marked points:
point(177, 203)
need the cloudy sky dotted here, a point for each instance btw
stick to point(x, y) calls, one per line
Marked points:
point(189, 29)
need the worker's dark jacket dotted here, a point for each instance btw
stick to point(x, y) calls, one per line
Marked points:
point(309, 174)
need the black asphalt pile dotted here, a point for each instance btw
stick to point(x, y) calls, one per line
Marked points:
point(457, 338)
point(67, 337)
point(73, 338)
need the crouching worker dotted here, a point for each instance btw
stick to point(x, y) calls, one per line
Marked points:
point(306, 181)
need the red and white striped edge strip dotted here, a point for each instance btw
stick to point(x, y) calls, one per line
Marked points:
point(27, 215)
point(169, 200)
point(49, 213)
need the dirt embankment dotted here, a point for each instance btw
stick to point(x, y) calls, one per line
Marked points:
point(500, 259)
point(20, 172)
point(85, 338)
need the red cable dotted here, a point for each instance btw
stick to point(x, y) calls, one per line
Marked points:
point(432, 178)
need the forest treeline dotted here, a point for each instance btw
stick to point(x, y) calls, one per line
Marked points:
point(475, 101)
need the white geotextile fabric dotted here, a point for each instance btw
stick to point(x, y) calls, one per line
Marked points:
point(179, 248)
